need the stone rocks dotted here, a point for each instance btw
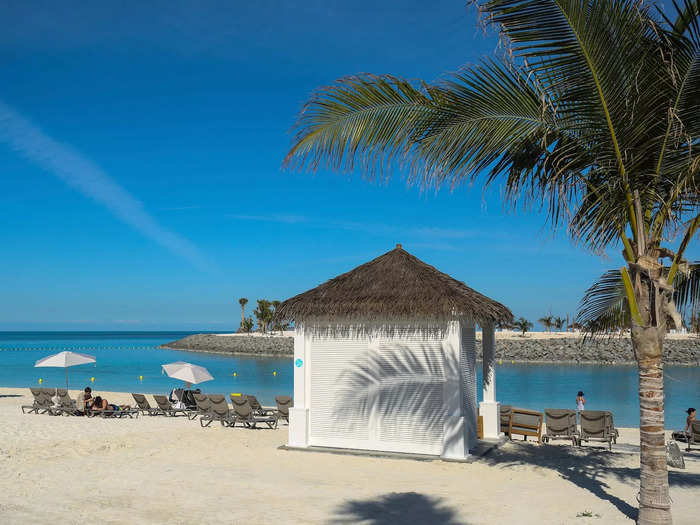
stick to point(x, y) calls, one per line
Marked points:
point(239, 344)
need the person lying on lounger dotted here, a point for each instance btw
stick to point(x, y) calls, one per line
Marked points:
point(100, 404)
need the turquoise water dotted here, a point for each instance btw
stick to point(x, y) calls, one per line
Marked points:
point(124, 356)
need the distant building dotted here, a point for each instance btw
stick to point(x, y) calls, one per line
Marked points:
point(385, 360)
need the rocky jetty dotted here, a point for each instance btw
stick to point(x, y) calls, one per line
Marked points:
point(543, 349)
point(235, 345)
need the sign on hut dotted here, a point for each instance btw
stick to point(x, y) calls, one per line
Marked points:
point(385, 360)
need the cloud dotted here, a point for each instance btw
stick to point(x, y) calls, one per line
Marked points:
point(83, 175)
point(366, 227)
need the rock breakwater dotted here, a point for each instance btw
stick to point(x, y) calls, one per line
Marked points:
point(513, 348)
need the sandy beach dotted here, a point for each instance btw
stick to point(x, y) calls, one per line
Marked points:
point(67, 470)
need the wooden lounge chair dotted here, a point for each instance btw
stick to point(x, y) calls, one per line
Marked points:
point(245, 414)
point(283, 405)
point(42, 403)
point(218, 410)
point(597, 425)
point(525, 423)
point(167, 408)
point(694, 436)
point(505, 418)
point(561, 424)
point(145, 407)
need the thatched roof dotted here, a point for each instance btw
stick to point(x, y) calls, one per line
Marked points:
point(394, 285)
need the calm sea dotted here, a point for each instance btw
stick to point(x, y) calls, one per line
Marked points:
point(122, 357)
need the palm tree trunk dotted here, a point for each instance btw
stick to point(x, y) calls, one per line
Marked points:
point(242, 317)
point(654, 501)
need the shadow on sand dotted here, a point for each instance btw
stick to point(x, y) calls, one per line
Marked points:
point(586, 468)
point(10, 395)
point(406, 508)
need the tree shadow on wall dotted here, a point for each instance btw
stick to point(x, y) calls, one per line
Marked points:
point(405, 508)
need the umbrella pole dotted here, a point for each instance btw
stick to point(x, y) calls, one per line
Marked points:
point(66, 378)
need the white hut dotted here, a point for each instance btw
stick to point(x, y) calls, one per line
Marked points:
point(385, 360)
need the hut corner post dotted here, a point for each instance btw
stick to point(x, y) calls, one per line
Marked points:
point(489, 408)
point(299, 413)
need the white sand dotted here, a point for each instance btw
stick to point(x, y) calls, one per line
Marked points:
point(70, 470)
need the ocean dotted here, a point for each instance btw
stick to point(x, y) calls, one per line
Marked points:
point(130, 362)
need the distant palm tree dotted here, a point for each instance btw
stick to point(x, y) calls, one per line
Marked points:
point(242, 301)
point(547, 322)
point(522, 324)
point(559, 323)
point(591, 114)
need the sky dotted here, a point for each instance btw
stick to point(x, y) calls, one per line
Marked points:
point(141, 146)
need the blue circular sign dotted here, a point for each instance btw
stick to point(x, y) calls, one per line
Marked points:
point(299, 363)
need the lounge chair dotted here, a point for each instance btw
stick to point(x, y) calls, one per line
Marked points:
point(167, 408)
point(694, 436)
point(245, 414)
point(145, 407)
point(505, 418)
point(597, 425)
point(256, 406)
point(189, 400)
point(203, 405)
point(65, 405)
point(525, 423)
point(283, 405)
point(561, 424)
point(218, 410)
point(42, 403)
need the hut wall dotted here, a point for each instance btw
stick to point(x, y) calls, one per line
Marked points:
point(399, 386)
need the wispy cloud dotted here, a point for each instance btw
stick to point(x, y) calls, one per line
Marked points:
point(366, 227)
point(27, 139)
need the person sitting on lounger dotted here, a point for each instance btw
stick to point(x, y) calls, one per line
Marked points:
point(83, 400)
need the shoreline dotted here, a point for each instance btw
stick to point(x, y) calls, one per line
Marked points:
point(560, 348)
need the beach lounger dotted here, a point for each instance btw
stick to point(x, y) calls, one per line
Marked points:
point(218, 410)
point(694, 436)
point(597, 425)
point(244, 413)
point(42, 403)
point(505, 418)
point(203, 405)
point(66, 405)
point(283, 405)
point(561, 424)
point(144, 406)
point(168, 409)
point(525, 423)
point(258, 409)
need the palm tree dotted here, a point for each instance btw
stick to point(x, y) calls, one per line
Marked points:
point(242, 301)
point(604, 307)
point(591, 114)
point(547, 322)
point(522, 324)
point(558, 323)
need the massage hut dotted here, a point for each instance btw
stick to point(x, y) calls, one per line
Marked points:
point(385, 360)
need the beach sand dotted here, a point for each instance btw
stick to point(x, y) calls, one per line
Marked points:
point(71, 470)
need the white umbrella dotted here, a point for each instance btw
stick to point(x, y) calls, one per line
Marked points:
point(187, 372)
point(64, 360)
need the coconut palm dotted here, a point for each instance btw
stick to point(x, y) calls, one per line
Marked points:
point(604, 307)
point(522, 324)
point(242, 301)
point(559, 323)
point(547, 322)
point(591, 114)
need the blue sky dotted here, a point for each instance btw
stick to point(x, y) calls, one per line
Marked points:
point(140, 151)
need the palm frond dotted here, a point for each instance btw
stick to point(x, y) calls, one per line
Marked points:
point(604, 305)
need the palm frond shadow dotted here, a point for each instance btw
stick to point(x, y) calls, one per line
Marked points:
point(400, 383)
point(390, 509)
point(585, 468)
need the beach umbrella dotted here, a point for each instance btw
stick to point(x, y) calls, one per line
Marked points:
point(187, 372)
point(64, 360)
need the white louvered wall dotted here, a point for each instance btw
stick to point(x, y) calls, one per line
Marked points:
point(396, 404)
